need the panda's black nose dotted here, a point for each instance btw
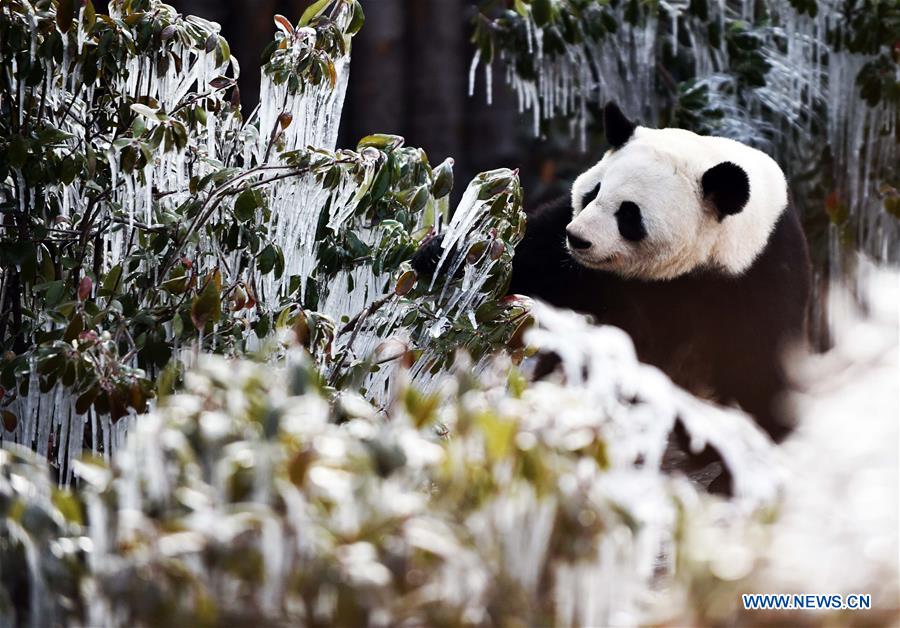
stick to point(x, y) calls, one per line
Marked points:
point(576, 242)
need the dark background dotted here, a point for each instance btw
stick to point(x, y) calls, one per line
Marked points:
point(409, 76)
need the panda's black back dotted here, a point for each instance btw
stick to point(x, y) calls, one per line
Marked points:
point(716, 335)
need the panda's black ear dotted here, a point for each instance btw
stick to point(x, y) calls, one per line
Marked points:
point(617, 127)
point(727, 187)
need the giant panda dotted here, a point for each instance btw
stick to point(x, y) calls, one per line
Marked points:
point(689, 244)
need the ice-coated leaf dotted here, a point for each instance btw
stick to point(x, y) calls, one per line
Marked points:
point(221, 82)
point(405, 283)
point(443, 178)
point(283, 24)
point(314, 10)
point(144, 110)
point(381, 141)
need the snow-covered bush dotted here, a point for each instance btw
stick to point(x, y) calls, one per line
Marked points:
point(253, 495)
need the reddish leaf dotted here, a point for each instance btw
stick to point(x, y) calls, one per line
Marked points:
point(517, 340)
point(405, 283)
point(9, 421)
point(84, 288)
point(117, 404)
point(284, 24)
point(220, 82)
point(301, 329)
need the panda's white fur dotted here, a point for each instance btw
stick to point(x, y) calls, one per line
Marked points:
point(661, 170)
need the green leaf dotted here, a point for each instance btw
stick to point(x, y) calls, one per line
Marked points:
point(265, 261)
point(52, 135)
point(495, 186)
point(358, 19)
point(541, 11)
point(18, 151)
point(262, 326)
point(419, 199)
point(279, 262)
point(54, 294)
point(69, 170)
point(89, 18)
point(443, 178)
point(223, 52)
point(128, 159)
point(381, 141)
point(247, 203)
point(313, 10)
point(381, 183)
point(111, 281)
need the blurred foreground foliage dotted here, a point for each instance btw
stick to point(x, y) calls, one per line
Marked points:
point(255, 496)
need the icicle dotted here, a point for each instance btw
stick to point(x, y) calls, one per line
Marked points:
point(476, 58)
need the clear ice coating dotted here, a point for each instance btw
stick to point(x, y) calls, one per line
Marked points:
point(288, 119)
point(140, 196)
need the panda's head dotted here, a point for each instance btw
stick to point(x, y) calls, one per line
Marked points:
point(664, 202)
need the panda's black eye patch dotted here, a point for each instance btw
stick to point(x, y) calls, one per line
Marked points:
point(630, 221)
point(588, 198)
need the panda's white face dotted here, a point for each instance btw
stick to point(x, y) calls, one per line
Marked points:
point(630, 208)
point(665, 202)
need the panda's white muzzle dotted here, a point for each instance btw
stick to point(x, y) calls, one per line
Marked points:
point(584, 250)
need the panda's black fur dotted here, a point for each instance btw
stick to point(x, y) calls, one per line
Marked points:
point(716, 335)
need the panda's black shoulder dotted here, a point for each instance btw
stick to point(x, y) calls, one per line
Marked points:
point(542, 267)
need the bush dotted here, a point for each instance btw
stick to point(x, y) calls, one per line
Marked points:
point(146, 220)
